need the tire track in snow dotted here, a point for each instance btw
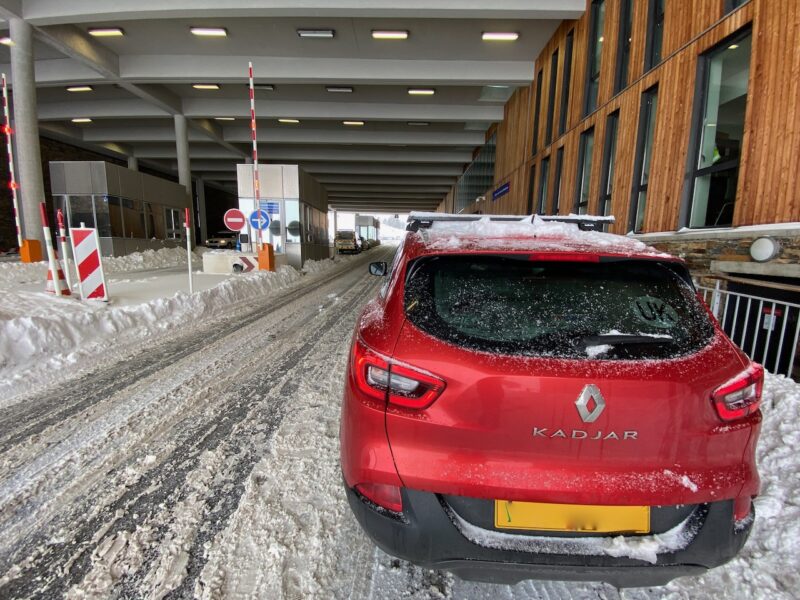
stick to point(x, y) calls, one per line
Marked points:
point(136, 498)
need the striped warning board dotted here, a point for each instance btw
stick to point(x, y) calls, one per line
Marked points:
point(86, 250)
point(248, 264)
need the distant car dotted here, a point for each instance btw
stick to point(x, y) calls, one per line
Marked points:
point(525, 400)
point(222, 240)
point(346, 242)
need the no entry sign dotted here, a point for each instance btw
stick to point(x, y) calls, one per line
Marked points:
point(235, 219)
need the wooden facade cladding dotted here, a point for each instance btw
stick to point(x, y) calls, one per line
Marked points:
point(768, 188)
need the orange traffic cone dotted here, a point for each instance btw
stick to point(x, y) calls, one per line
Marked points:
point(62, 283)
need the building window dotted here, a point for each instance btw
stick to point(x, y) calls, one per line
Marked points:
point(585, 152)
point(624, 45)
point(536, 110)
point(531, 187)
point(551, 97)
point(544, 173)
point(565, 83)
point(609, 154)
point(723, 76)
point(644, 146)
point(595, 53)
point(731, 5)
point(556, 204)
point(655, 34)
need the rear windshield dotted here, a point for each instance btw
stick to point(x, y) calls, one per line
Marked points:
point(612, 310)
point(345, 235)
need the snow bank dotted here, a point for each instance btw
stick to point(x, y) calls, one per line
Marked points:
point(18, 272)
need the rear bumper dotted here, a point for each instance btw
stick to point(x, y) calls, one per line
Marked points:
point(428, 534)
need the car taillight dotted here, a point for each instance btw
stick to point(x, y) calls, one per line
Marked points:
point(740, 396)
point(382, 494)
point(401, 385)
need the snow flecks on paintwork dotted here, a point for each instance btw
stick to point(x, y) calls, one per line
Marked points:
point(595, 351)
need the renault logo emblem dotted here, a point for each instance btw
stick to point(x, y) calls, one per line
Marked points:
point(590, 403)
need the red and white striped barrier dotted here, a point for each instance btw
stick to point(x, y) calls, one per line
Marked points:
point(12, 181)
point(62, 245)
point(256, 182)
point(86, 251)
point(55, 276)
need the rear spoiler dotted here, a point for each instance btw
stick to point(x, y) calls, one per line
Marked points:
point(417, 221)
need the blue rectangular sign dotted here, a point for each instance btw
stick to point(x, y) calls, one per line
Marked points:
point(501, 191)
point(273, 208)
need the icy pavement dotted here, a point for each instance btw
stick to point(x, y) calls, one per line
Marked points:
point(205, 465)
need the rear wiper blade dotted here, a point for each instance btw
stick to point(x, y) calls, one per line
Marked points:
point(626, 338)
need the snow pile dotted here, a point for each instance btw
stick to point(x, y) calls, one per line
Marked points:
point(48, 339)
point(312, 267)
point(18, 272)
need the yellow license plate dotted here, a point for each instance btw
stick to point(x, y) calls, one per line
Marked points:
point(586, 518)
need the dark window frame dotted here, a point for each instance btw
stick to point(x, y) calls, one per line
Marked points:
point(551, 98)
point(555, 202)
point(624, 36)
point(609, 161)
point(579, 177)
point(531, 188)
point(566, 80)
point(544, 175)
point(655, 28)
point(593, 71)
point(695, 134)
point(537, 112)
point(645, 108)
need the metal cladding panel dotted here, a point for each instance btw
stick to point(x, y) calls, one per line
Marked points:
point(162, 191)
point(291, 181)
point(272, 179)
point(78, 178)
point(99, 174)
point(130, 182)
point(58, 181)
point(111, 176)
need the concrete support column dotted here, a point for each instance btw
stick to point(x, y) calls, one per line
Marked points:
point(184, 169)
point(26, 132)
point(201, 209)
point(133, 163)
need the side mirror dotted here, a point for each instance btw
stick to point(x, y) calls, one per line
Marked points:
point(378, 268)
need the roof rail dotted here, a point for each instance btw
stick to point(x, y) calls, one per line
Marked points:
point(419, 220)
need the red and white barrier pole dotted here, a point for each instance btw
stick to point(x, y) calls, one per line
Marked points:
point(51, 254)
point(187, 225)
point(12, 181)
point(62, 243)
point(256, 182)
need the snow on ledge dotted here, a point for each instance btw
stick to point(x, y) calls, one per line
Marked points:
point(645, 547)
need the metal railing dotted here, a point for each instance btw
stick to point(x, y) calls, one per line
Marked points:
point(767, 330)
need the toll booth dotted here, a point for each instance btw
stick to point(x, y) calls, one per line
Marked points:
point(367, 227)
point(132, 211)
point(297, 205)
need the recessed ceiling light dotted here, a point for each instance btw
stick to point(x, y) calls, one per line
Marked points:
point(224, 119)
point(6, 41)
point(500, 36)
point(339, 89)
point(355, 123)
point(733, 46)
point(81, 120)
point(498, 87)
point(106, 32)
point(421, 91)
point(289, 121)
point(80, 88)
point(316, 33)
point(265, 87)
point(209, 31)
point(387, 34)
point(205, 86)
point(418, 123)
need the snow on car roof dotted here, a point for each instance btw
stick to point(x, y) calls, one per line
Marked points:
point(536, 235)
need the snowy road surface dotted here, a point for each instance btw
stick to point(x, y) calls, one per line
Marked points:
point(206, 465)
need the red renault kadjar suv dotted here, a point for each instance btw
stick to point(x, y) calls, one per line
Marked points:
point(527, 399)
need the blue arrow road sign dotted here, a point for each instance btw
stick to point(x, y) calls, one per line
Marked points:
point(259, 219)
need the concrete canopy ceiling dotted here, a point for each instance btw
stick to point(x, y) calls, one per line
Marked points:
point(142, 79)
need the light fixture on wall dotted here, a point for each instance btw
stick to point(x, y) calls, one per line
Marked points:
point(764, 249)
